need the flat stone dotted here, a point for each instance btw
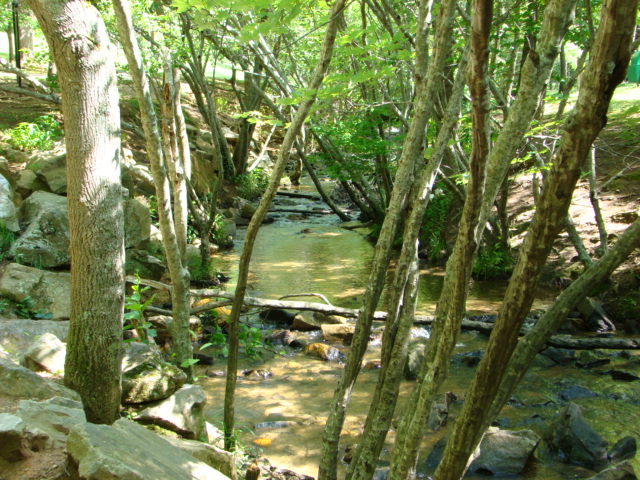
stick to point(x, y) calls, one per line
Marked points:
point(129, 451)
point(338, 333)
point(17, 335)
point(54, 417)
point(20, 382)
point(213, 456)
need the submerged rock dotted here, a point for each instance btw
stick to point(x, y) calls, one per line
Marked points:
point(324, 352)
point(577, 441)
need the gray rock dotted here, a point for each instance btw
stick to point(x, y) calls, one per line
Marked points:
point(620, 471)
point(180, 413)
point(144, 264)
point(17, 381)
point(146, 377)
point(49, 292)
point(52, 169)
point(46, 353)
point(415, 358)
point(577, 441)
point(213, 456)
point(305, 322)
point(45, 240)
point(54, 418)
point(28, 182)
point(17, 335)
point(504, 452)
point(128, 451)
point(8, 210)
point(137, 223)
point(12, 443)
point(324, 352)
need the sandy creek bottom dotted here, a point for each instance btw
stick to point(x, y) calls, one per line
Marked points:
point(315, 255)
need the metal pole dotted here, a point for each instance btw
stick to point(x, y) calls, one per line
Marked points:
point(16, 36)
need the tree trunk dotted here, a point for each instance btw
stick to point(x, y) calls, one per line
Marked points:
point(261, 211)
point(609, 60)
point(450, 308)
point(428, 82)
point(181, 337)
point(92, 135)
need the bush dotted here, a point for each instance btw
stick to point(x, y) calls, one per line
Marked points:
point(38, 135)
point(492, 263)
point(434, 223)
point(252, 185)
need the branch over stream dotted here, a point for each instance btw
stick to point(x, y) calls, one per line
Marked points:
point(558, 341)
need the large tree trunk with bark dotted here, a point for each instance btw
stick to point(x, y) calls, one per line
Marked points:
point(257, 218)
point(83, 53)
point(607, 67)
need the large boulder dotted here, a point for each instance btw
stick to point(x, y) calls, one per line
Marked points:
point(54, 418)
point(619, 471)
point(137, 223)
point(146, 377)
point(577, 441)
point(213, 456)
point(504, 452)
point(51, 169)
point(20, 382)
point(17, 335)
point(181, 413)
point(46, 353)
point(324, 352)
point(48, 292)
point(8, 210)
point(45, 240)
point(12, 442)
point(129, 451)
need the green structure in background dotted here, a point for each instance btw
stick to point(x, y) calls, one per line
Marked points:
point(633, 74)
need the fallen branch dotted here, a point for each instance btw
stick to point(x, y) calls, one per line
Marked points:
point(319, 295)
point(30, 79)
point(559, 341)
point(299, 195)
point(53, 98)
point(301, 212)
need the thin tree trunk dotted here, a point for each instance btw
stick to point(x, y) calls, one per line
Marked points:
point(177, 266)
point(450, 308)
point(595, 202)
point(401, 309)
point(428, 82)
point(609, 59)
point(92, 135)
point(261, 211)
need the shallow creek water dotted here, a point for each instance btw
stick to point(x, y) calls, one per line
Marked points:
point(316, 255)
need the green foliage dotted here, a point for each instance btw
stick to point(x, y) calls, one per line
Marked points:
point(252, 185)
point(434, 223)
point(38, 135)
point(249, 339)
point(25, 309)
point(7, 237)
point(492, 262)
point(134, 307)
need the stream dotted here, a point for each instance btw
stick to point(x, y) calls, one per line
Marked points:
point(313, 254)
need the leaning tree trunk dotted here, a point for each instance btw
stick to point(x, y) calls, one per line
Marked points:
point(428, 81)
point(450, 309)
point(92, 135)
point(609, 60)
point(177, 264)
point(261, 211)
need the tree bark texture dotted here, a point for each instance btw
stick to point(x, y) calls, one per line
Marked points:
point(257, 218)
point(85, 57)
point(177, 265)
point(607, 67)
point(428, 82)
point(450, 308)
